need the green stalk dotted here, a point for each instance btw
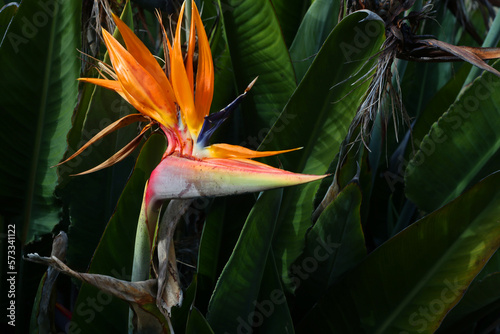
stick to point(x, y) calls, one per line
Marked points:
point(143, 246)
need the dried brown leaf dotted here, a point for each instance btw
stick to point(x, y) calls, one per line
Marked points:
point(169, 290)
point(139, 295)
point(432, 50)
point(120, 155)
point(133, 292)
point(122, 122)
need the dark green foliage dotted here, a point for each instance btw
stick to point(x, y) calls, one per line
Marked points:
point(396, 240)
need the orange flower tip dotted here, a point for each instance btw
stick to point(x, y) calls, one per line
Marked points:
point(106, 34)
point(251, 84)
point(177, 177)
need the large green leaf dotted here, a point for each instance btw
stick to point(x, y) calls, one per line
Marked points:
point(197, 324)
point(482, 297)
point(225, 220)
point(317, 24)
point(409, 284)
point(257, 49)
point(208, 254)
point(237, 289)
point(317, 118)
point(289, 14)
point(334, 245)
point(114, 254)
point(272, 314)
point(39, 63)
point(436, 107)
point(457, 147)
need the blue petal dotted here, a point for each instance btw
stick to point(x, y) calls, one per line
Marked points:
point(213, 121)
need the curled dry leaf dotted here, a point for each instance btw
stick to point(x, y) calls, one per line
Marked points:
point(135, 292)
point(169, 291)
point(432, 50)
point(140, 295)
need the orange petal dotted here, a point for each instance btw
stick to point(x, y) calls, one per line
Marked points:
point(180, 82)
point(109, 84)
point(180, 177)
point(205, 72)
point(141, 89)
point(141, 53)
point(190, 52)
point(106, 83)
point(117, 87)
point(227, 151)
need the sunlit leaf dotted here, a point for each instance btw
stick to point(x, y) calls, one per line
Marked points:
point(420, 274)
point(457, 146)
point(257, 49)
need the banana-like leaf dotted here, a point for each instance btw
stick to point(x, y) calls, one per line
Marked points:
point(197, 324)
point(39, 61)
point(223, 225)
point(317, 24)
point(334, 245)
point(114, 253)
point(233, 300)
point(39, 65)
point(436, 107)
point(457, 147)
point(257, 49)
point(482, 297)
point(412, 281)
point(317, 118)
point(272, 312)
point(289, 14)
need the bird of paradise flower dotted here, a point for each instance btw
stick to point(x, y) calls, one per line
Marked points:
point(179, 103)
point(178, 100)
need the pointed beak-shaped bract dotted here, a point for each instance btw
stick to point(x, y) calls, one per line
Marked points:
point(179, 177)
